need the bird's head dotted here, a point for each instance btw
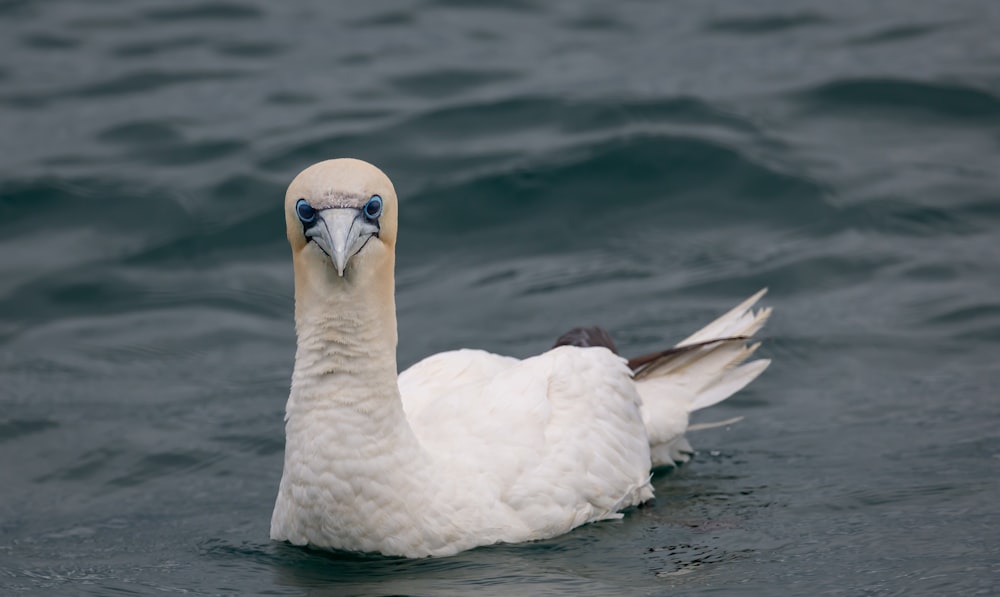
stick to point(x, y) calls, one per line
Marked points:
point(340, 218)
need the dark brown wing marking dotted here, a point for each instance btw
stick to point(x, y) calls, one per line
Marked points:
point(587, 336)
point(598, 336)
point(651, 360)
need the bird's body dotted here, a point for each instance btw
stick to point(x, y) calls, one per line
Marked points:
point(464, 448)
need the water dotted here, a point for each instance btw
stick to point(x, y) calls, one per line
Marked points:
point(639, 165)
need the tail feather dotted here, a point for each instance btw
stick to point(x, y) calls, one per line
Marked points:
point(714, 424)
point(731, 382)
point(678, 383)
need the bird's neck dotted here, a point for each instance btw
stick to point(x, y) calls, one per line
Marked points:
point(345, 387)
point(346, 329)
point(347, 437)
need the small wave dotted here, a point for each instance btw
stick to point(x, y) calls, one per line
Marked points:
point(86, 466)
point(49, 41)
point(161, 144)
point(142, 49)
point(533, 113)
point(142, 81)
point(447, 82)
point(970, 322)
point(396, 18)
point(897, 216)
point(15, 7)
point(247, 49)
point(142, 132)
point(100, 221)
point(153, 466)
point(14, 428)
point(204, 11)
point(661, 172)
point(597, 22)
point(116, 23)
point(255, 444)
point(147, 80)
point(490, 134)
point(28, 205)
point(501, 5)
point(863, 498)
point(905, 98)
point(897, 33)
point(767, 24)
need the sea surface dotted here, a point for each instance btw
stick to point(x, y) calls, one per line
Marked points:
point(640, 165)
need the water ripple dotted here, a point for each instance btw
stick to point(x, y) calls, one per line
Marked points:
point(49, 41)
point(145, 48)
point(15, 428)
point(446, 83)
point(686, 169)
point(147, 80)
point(898, 33)
point(249, 49)
point(905, 98)
point(202, 11)
point(135, 83)
point(160, 142)
point(15, 7)
point(764, 25)
point(520, 6)
point(385, 19)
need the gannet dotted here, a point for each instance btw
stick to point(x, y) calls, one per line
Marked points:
point(465, 448)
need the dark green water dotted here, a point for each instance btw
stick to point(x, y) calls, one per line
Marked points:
point(642, 165)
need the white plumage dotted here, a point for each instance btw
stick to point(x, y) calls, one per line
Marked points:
point(464, 448)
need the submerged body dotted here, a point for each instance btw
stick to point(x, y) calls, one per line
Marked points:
point(465, 448)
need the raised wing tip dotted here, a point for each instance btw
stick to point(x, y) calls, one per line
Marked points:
point(754, 298)
point(733, 322)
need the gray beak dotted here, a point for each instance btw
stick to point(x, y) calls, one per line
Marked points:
point(341, 233)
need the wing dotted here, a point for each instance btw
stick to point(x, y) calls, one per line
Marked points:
point(480, 402)
point(560, 434)
point(596, 453)
point(448, 374)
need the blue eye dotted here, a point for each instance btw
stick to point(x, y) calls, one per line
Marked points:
point(305, 212)
point(373, 208)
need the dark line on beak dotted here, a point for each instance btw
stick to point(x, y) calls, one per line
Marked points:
point(364, 244)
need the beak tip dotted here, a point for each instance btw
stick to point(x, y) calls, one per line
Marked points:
point(340, 264)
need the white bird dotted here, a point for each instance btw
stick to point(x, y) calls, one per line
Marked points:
point(464, 448)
